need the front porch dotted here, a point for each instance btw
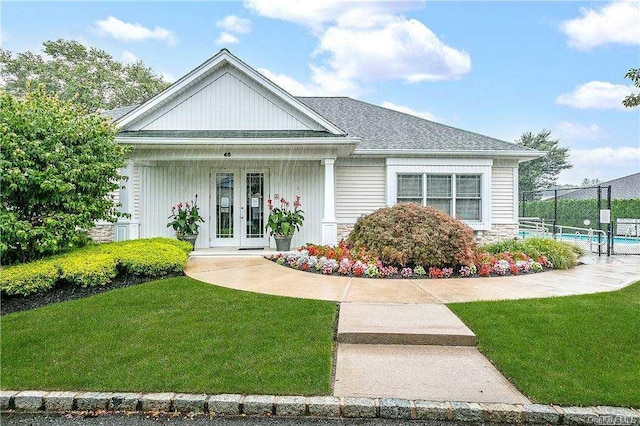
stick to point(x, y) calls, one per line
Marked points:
point(233, 184)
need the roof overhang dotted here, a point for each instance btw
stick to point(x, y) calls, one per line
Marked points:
point(520, 155)
point(246, 148)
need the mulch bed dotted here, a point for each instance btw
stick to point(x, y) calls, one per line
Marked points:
point(62, 293)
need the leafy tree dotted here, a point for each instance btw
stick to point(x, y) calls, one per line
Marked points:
point(589, 182)
point(86, 75)
point(542, 172)
point(633, 99)
point(58, 167)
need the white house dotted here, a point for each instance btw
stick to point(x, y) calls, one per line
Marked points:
point(227, 133)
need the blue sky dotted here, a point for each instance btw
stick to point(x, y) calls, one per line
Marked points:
point(496, 68)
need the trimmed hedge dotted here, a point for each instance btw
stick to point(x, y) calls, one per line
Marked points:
point(563, 255)
point(97, 265)
point(409, 234)
point(88, 270)
point(28, 278)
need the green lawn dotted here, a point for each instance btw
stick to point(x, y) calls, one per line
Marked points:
point(176, 334)
point(578, 350)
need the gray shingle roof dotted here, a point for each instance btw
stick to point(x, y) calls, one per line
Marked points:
point(116, 113)
point(379, 128)
point(623, 188)
point(382, 128)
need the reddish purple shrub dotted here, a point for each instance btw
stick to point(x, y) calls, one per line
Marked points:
point(408, 234)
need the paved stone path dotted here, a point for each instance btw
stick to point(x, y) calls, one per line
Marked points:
point(396, 338)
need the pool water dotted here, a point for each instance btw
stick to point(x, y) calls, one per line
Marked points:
point(581, 237)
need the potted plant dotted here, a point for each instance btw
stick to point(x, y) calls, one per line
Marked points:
point(185, 220)
point(284, 222)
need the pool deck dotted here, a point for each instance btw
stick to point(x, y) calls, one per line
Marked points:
point(257, 274)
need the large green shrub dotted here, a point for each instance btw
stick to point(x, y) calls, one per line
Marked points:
point(97, 265)
point(58, 166)
point(563, 255)
point(408, 234)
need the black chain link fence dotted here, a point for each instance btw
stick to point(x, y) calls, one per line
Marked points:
point(585, 216)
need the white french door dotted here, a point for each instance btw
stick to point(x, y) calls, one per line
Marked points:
point(239, 206)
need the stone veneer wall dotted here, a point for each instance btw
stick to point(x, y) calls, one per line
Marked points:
point(499, 232)
point(343, 230)
point(102, 233)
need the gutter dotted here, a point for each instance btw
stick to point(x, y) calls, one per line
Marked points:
point(523, 155)
point(182, 142)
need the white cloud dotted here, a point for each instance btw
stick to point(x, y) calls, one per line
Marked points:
point(422, 114)
point(315, 14)
point(129, 57)
point(606, 155)
point(125, 31)
point(568, 131)
point(366, 42)
point(235, 24)
point(226, 38)
point(323, 84)
point(402, 49)
point(596, 94)
point(4, 37)
point(604, 163)
point(168, 77)
point(616, 22)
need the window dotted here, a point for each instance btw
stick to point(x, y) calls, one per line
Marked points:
point(468, 198)
point(439, 192)
point(410, 189)
point(459, 193)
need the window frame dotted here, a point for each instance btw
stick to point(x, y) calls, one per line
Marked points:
point(446, 166)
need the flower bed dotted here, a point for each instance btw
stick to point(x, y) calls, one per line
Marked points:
point(345, 261)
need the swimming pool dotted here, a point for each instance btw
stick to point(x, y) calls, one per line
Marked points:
point(579, 237)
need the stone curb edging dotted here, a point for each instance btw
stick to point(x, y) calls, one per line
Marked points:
point(316, 406)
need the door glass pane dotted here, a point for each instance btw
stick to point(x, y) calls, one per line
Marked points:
point(224, 205)
point(410, 189)
point(468, 186)
point(255, 205)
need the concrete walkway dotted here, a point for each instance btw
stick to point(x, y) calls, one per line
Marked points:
point(396, 338)
point(256, 274)
point(413, 351)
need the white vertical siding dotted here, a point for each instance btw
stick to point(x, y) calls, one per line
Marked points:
point(226, 100)
point(503, 195)
point(166, 184)
point(360, 189)
point(304, 178)
point(163, 187)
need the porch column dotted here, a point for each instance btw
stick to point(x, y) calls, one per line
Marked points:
point(329, 222)
point(127, 227)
